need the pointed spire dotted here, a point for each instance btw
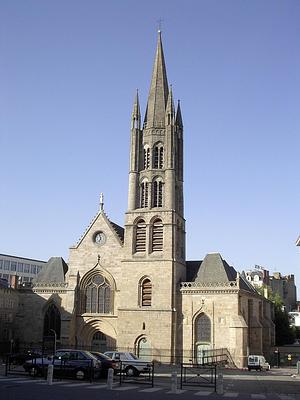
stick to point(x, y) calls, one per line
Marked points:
point(178, 120)
point(170, 110)
point(158, 94)
point(136, 113)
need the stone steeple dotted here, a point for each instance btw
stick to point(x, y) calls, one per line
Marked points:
point(158, 94)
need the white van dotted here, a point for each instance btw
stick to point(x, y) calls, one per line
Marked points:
point(258, 363)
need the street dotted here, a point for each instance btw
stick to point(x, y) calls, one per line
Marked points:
point(276, 384)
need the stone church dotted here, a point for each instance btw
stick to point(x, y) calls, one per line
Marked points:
point(132, 288)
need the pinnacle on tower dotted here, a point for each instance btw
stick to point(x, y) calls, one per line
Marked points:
point(170, 110)
point(158, 94)
point(178, 119)
point(136, 113)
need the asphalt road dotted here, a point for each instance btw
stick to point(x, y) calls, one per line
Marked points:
point(242, 385)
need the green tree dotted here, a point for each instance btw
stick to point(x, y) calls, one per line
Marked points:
point(284, 333)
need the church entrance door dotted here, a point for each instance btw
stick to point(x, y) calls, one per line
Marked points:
point(99, 342)
point(144, 349)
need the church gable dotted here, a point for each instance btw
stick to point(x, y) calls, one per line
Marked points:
point(100, 231)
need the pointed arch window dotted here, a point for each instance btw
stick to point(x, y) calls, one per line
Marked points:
point(146, 157)
point(203, 329)
point(146, 293)
point(157, 235)
point(157, 193)
point(52, 321)
point(97, 295)
point(144, 194)
point(140, 236)
point(158, 157)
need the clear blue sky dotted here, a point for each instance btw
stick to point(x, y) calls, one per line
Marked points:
point(68, 74)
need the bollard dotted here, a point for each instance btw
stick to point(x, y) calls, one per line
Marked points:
point(110, 378)
point(174, 382)
point(50, 374)
point(220, 385)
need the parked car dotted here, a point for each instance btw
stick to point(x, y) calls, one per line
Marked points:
point(131, 364)
point(106, 363)
point(258, 363)
point(79, 364)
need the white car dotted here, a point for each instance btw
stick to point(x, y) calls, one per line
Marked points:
point(131, 364)
point(258, 363)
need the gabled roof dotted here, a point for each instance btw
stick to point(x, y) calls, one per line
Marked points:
point(115, 227)
point(53, 272)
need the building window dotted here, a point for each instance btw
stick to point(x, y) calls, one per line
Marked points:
point(140, 236)
point(158, 157)
point(144, 194)
point(146, 293)
point(26, 268)
point(33, 269)
point(146, 157)
point(20, 267)
point(1, 264)
point(6, 265)
point(203, 329)
point(13, 266)
point(96, 295)
point(52, 321)
point(157, 235)
point(157, 193)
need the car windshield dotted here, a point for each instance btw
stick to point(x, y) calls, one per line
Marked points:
point(101, 355)
point(91, 355)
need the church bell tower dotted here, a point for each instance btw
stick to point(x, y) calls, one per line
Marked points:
point(154, 246)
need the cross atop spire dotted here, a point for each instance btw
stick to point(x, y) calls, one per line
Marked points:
point(158, 94)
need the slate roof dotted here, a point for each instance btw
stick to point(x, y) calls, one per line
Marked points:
point(119, 230)
point(53, 272)
point(214, 269)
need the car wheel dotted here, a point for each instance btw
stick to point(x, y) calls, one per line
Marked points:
point(80, 374)
point(131, 371)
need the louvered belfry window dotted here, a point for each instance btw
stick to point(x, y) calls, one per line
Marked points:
point(158, 161)
point(144, 195)
point(157, 235)
point(146, 158)
point(140, 238)
point(146, 292)
point(161, 158)
point(157, 194)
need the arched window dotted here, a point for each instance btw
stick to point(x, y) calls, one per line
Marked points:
point(157, 193)
point(144, 194)
point(146, 157)
point(52, 321)
point(158, 157)
point(203, 329)
point(97, 295)
point(140, 236)
point(146, 293)
point(157, 235)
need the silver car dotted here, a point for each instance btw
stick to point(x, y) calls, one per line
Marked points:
point(131, 364)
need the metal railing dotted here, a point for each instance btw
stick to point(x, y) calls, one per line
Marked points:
point(198, 375)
